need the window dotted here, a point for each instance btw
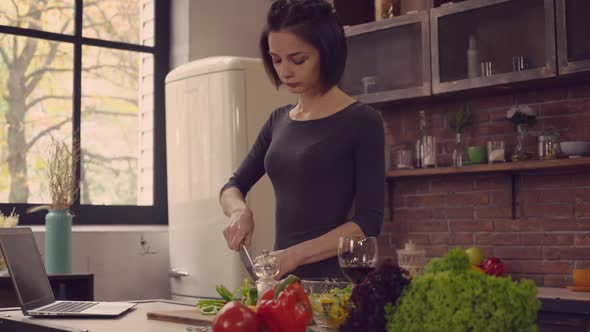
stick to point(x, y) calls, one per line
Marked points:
point(87, 71)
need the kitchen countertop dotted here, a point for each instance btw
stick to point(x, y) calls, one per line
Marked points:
point(136, 320)
point(562, 294)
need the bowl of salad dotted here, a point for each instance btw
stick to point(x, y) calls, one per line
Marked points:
point(329, 301)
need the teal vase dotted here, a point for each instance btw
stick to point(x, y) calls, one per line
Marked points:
point(58, 239)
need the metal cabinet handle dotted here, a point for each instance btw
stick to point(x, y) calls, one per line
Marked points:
point(176, 273)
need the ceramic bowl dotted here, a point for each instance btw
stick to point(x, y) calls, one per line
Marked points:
point(581, 277)
point(575, 148)
point(477, 154)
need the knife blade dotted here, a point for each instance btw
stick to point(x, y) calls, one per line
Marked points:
point(247, 261)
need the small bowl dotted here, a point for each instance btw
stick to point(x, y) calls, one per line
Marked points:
point(575, 148)
point(329, 301)
point(581, 277)
point(477, 154)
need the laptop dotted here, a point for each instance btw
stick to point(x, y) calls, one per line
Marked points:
point(31, 284)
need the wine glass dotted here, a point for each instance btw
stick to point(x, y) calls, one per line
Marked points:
point(357, 256)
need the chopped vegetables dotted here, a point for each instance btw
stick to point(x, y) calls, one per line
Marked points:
point(224, 293)
point(332, 306)
point(247, 290)
point(210, 307)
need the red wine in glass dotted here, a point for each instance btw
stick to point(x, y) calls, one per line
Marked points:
point(357, 256)
point(356, 274)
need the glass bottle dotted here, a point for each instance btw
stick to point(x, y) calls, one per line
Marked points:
point(266, 269)
point(459, 153)
point(419, 151)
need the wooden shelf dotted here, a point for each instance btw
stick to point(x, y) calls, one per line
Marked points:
point(509, 167)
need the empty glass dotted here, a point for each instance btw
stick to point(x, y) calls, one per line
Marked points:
point(496, 152)
point(518, 63)
point(486, 68)
point(404, 158)
point(429, 151)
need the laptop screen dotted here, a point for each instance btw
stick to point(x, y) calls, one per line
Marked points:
point(25, 264)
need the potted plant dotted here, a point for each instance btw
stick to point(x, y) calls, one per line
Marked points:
point(459, 121)
point(63, 189)
point(522, 117)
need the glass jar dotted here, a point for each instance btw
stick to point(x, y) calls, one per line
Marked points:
point(548, 145)
point(412, 259)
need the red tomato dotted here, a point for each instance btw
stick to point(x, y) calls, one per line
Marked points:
point(234, 316)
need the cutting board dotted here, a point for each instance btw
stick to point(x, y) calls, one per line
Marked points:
point(189, 317)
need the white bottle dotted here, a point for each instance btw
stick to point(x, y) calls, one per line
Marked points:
point(472, 58)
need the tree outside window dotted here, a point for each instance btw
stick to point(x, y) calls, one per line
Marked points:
point(115, 89)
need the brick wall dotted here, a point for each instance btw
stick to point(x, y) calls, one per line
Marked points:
point(551, 234)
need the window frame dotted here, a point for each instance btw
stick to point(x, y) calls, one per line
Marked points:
point(156, 214)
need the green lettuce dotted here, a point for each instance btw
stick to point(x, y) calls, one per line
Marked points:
point(452, 297)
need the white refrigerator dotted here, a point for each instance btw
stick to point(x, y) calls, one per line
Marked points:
point(215, 108)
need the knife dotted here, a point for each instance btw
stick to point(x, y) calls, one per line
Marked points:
point(247, 261)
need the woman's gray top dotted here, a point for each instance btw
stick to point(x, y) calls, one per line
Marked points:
point(318, 169)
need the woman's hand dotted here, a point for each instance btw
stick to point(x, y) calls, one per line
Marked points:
point(287, 261)
point(239, 229)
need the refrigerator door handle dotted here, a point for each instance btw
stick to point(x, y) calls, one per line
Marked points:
point(176, 273)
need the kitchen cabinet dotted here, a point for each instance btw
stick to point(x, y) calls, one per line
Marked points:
point(573, 48)
point(388, 59)
point(475, 45)
point(483, 43)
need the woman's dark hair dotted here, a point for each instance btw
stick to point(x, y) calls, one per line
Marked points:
point(316, 22)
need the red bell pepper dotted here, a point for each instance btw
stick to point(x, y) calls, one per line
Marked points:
point(285, 307)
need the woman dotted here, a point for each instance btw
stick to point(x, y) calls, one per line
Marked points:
point(321, 155)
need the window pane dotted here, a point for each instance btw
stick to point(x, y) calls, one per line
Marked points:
point(129, 21)
point(50, 15)
point(117, 127)
point(35, 104)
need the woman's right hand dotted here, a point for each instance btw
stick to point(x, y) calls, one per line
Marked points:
point(240, 228)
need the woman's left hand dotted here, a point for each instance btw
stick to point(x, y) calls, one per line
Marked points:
point(286, 260)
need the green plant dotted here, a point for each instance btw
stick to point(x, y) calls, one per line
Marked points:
point(460, 119)
point(452, 297)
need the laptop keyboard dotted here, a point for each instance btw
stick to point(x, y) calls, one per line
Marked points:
point(69, 306)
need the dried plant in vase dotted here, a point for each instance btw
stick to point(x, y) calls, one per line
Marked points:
point(61, 171)
point(63, 190)
point(8, 221)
